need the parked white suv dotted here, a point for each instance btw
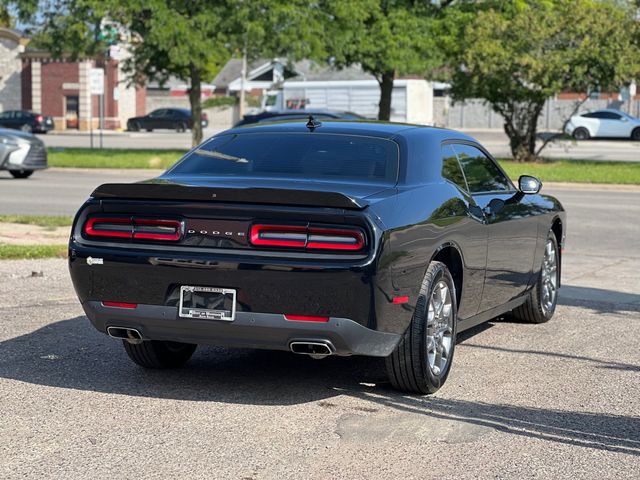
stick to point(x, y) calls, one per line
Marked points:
point(604, 123)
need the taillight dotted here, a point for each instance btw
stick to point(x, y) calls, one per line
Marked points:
point(109, 227)
point(134, 228)
point(335, 239)
point(278, 236)
point(312, 238)
point(150, 229)
point(39, 119)
point(205, 116)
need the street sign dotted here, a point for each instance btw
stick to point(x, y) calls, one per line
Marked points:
point(96, 81)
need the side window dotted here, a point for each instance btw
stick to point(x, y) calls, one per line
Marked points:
point(480, 171)
point(4, 115)
point(451, 168)
point(157, 113)
point(612, 116)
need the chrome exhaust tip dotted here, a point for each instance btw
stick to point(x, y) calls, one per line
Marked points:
point(313, 349)
point(125, 333)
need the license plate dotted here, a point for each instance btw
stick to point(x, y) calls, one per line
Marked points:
point(210, 303)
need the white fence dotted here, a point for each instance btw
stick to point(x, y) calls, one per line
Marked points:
point(476, 114)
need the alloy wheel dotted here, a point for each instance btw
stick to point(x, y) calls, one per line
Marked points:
point(439, 328)
point(549, 289)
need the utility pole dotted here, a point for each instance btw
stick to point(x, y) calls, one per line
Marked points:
point(243, 78)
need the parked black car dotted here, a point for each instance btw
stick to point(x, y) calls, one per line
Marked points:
point(21, 153)
point(178, 119)
point(344, 238)
point(292, 115)
point(26, 121)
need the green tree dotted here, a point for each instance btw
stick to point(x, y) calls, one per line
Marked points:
point(6, 20)
point(385, 37)
point(190, 40)
point(517, 54)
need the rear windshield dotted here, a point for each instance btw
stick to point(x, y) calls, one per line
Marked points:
point(310, 156)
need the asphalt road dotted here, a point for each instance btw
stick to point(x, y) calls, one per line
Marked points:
point(494, 140)
point(558, 400)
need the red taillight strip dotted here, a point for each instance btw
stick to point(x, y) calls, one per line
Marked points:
point(306, 318)
point(274, 241)
point(99, 227)
point(315, 239)
point(90, 227)
point(119, 305)
point(170, 236)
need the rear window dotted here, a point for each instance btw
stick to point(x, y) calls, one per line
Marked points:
point(310, 156)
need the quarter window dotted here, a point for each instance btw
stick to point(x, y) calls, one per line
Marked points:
point(481, 173)
point(451, 167)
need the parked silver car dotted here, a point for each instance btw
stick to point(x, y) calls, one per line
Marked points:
point(603, 124)
point(21, 153)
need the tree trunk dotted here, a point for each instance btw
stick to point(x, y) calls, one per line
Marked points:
point(386, 89)
point(195, 99)
point(521, 126)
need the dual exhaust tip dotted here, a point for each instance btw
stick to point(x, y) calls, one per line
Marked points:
point(319, 349)
point(131, 335)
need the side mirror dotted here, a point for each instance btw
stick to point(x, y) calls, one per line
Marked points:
point(529, 185)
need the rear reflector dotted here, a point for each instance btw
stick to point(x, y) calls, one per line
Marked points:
point(313, 238)
point(119, 305)
point(306, 318)
point(400, 300)
point(136, 228)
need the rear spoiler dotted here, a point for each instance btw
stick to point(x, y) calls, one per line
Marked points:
point(272, 196)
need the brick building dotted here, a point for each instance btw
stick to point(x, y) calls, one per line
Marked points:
point(33, 80)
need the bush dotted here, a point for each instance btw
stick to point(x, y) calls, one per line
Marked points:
point(219, 102)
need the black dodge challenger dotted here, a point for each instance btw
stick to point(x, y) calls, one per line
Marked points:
point(341, 238)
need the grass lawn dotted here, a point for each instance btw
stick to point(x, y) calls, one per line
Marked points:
point(18, 252)
point(113, 158)
point(40, 220)
point(576, 171)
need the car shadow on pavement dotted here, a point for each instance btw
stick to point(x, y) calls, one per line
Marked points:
point(601, 431)
point(71, 354)
point(599, 300)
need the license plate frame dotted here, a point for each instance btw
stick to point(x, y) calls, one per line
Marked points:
point(203, 313)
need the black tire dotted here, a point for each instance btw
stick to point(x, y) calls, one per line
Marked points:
point(149, 129)
point(635, 135)
point(134, 127)
point(21, 173)
point(581, 133)
point(533, 309)
point(181, 127)
point(26, 128)
point(159, 354)
point(408, 366)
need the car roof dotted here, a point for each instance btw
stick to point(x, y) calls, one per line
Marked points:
point(354, 127)
point(610, 110)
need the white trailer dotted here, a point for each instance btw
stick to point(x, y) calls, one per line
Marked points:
point(411, 100)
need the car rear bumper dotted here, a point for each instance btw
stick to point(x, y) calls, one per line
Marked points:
point(248, 330)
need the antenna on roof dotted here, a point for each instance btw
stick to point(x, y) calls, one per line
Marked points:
point(312, 124)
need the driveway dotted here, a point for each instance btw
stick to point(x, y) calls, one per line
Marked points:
point(558, 400)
